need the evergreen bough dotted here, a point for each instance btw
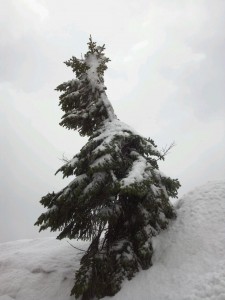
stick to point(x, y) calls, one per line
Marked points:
point(118, 198)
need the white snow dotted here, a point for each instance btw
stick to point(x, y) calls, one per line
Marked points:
point(93, 62)
point(188, 264)
point(109, 131)
point(113, 128)
point(138, 172)
point(77, 179)
point(40, 269)
point(97, 178)
point(101, 160)
point(108, 106)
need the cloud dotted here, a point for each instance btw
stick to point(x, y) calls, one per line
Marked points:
point(200, 77)
point(139, 46)
point(25, 157)
point(20, 18)
point(205, 84)
point(37, 8)
point(22, 47)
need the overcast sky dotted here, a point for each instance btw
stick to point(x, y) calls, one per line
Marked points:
point(165, 79)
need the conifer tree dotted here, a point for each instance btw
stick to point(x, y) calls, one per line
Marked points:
point(118, 199)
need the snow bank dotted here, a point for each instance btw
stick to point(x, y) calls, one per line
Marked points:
point(189, 260)
point(40, 269)
point(188, 264)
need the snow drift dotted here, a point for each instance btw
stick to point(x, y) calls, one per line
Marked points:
point(188, 262)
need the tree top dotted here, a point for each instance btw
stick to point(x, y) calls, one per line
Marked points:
point(84, 99)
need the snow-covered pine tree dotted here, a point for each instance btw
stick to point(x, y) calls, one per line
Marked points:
point(118, 198)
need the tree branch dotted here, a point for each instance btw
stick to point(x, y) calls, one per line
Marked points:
point(165, 150)
point(76, 247)
point(64, 158)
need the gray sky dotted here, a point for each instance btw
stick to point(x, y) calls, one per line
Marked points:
point(165, 79)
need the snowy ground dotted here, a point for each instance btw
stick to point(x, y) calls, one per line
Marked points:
point(189, 260)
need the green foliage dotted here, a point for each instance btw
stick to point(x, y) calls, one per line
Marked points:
point(118, 199)
point(82, 98)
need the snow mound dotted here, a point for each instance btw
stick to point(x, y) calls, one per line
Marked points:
point(188, 264)
point(40, 269)
point(189, 259)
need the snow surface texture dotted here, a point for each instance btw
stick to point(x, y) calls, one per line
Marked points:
point(188, 264)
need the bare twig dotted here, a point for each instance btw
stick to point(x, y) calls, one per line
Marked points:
point(76, 247)
point(165, 150)
point(64, 158)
